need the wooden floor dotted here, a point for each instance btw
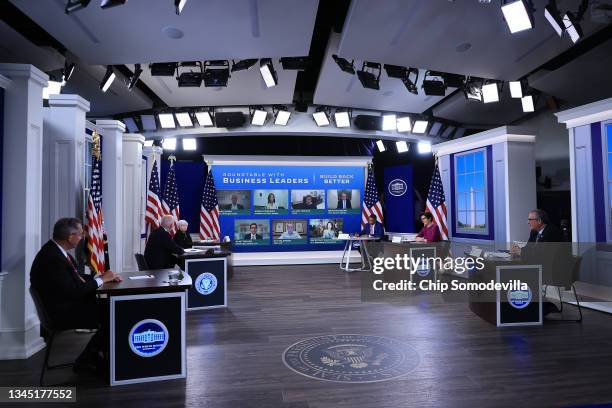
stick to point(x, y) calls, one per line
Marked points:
point(234, 355)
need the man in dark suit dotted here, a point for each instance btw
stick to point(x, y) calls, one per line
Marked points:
point(252, 235)
point(541, 230)
point(373, 228)
point(234, 205)
point(343, 202)
point(68, 296)
point(160, 250)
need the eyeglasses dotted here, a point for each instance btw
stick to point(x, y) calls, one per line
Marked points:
point(532, 219)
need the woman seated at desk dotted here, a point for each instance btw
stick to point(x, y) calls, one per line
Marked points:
point(182, 237)
point(430, 231)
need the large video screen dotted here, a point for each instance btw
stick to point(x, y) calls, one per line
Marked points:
point(288, 208)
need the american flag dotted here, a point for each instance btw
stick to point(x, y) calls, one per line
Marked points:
point(95, 222)
point(154, 209)
point(371, 203)
point(170, 202)
point(209, 211)
point(436, 202)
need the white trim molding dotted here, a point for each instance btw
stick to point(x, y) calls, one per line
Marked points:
point(67, 100)
point(292, 161)
point(4, 82)
point(586, 114)
point(498, 135)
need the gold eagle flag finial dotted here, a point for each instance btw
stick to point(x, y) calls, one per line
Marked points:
point(95, 150)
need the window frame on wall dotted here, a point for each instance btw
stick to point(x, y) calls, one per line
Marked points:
point(459, 231)
point(607, 170)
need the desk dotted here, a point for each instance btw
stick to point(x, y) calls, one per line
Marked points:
point(365, 256)
point(147, 327)
point(416, 250)
point(222, 246)
point(209, 275)
point(510, 307)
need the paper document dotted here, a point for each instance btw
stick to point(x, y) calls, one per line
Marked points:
point(142, 277)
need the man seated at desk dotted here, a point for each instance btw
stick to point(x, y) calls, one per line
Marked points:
point(373, 229)
point(182, 237)
point(430, 231)
point(69, 297)
point(160, 250)
point(540, 230)
point(290, 233)
point(252, 235)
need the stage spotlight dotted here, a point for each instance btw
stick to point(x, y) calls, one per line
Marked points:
point(321, 117)
point(423, 147)
point(148, 122)
point(130, 124)
point(409, 76)
point(281, 115)
point(169, 144)
point(433, 84)
point(402, 146)
point(527, 102)
point(135, 76)
point(243, 65)
point(454, 80)
point(179, 4)
point(216, 73)
point(204, 118)
point(516, 89)
point(572, 27)
point(473, 89)
point(370, 79)
point(404, 124)
point(190, 144)
point(108, 79)
point(420, 126)
point(75, 5)
point(389, 122)
point(554, 17)
point(295, 63)
point(517, 16)
point(163, 68)
point(258, 116)
point(166, 120)
point(184, 119)
point(67, 72)
point(490, 92)
point(342, 118)
point(268, 73)
point(112, 3)
point(381, 146)
point(435, 129)
point(344, 64)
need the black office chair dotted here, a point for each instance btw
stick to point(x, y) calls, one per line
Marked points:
point(49, 330)
point(142, 263)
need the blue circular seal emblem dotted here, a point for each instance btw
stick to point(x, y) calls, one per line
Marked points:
point(352, 358)
point(397, 187)
point(148, 338)
point(519, 299)
point(206, 283)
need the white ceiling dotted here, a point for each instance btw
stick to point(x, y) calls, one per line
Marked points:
point(338, 88)
point(213, 29)
point(15, 48)
point(243, 88)
point(426, 34)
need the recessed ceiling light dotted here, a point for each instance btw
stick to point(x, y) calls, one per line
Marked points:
point(169, 144)
point(166, 120)
point(189, 144)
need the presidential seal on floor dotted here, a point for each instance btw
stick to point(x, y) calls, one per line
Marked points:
point(353, 358)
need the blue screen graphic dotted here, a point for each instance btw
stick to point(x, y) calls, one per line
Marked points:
point(288, 208)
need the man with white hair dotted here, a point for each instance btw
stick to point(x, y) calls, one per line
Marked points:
point(160, 250)
point(290, 233)
point(182, 237)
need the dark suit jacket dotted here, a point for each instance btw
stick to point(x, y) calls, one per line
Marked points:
point(183, 239)
point(550, 234)
point(229, 207)
point(69, 301)
point(160, 249)
point(348, 204)
point(247, 236)
point(378, 230)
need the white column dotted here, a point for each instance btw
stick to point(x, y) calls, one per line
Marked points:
point(21, 207)
point(63, 162)
point(132, 198)
point(112, 188)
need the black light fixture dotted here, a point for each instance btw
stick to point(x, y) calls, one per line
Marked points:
point(409, 76)
point(433, 84)
point(268, 73)
point(134, 77)
point(473, 89)
point(75, 5)
point(321, 116)
point(67, 72)
point(191, 78)
point(108, 78)
point(453, 80)
point(344, 64)
point(216, 73)
point(281, 115)
point(163, 68)
point(244, 64)
point(112, 3)
point(258, 115)
point(179, 4)
point(295, 63)
point(369, 75)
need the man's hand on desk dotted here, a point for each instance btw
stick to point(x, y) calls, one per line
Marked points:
point(110, 276)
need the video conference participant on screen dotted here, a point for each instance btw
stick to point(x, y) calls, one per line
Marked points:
point(430, 231)
point(309, 203)
point(373, 228)
point(344, 203)
point(329, 232)
point(271, 204)
point(252, 235)
point(290, 232)
point(234, 205)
